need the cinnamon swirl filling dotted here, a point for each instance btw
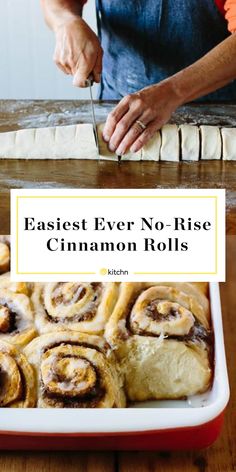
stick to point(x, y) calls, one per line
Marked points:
point(158, 312)
point(155, 313)
point(16, 318)
point(10, 380)
point(70, 377)
point(73, 302)
point(7, 319)
point(17, 387)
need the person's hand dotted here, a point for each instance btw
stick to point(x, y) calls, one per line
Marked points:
point(151, 106)
point(78, 51)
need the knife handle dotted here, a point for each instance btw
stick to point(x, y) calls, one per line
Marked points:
point(89, 81)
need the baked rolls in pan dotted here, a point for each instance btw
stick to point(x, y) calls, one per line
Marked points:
point(74, 370)
point(17, 379)
point(99, 345)
point(83, 307)
point(161, 336)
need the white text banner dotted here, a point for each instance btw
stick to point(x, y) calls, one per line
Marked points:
point(118, 235)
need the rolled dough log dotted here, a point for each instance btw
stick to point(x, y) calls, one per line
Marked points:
point(170, 143)
point(211, 142)
point(190, 142)
point(229, 143)
point(151, 150)
point(61, 142)
point(78, 142)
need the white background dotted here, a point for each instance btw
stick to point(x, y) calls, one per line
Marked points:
point(35, 257)
point(26, 49)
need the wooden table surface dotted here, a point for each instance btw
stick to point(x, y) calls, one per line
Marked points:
point(91, 174)
point(221, 457)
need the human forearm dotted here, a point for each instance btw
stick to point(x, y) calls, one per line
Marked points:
point(58, 12)
point(77, 51)
point(211, 72)
point(154, 105)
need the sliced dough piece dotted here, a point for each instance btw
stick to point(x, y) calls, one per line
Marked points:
point(229, 143)
point(170, 143)
point(24, 143)
point(190, 142)
point(104, 151)
point(211, 147)
point(151, 150)
point(7, 144)
point(85, 144)
point(106, 154)
point(62, 142)
point(45, 146)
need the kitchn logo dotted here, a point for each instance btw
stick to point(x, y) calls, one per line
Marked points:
point(105, 271)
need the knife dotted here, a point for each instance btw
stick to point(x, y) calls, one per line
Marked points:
point(89, 83)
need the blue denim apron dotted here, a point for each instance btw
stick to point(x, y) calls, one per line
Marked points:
point(145, 41)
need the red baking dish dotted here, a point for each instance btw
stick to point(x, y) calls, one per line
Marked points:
point(158, 425)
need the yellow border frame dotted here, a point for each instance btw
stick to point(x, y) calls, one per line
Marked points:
point(215, 197)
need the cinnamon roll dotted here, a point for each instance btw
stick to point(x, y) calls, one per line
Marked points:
point(16, 287)
point(16, 318)
point(162, 338)
point(78, 306)
point(5, 279)
point(4, 256)
point(17, 382)
point(75, 370)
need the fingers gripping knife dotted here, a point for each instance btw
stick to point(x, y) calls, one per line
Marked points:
point(89, 83)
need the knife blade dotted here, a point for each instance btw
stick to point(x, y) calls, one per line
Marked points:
point(89, 83)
